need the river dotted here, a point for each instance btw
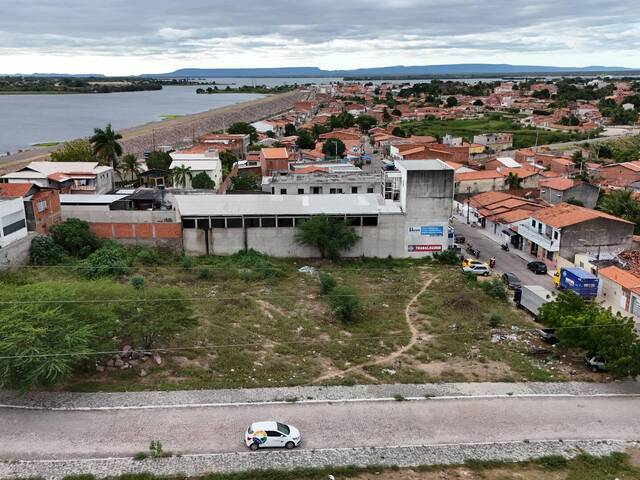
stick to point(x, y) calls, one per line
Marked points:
point(29, 119)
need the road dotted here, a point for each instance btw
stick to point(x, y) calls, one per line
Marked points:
point(505, 261)
point(28, 434)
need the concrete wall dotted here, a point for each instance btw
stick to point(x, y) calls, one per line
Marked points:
point(611, 236)
point(613, 295)
point(11, 212)
point(587, 194)
point(16, 254)
point(101, 213)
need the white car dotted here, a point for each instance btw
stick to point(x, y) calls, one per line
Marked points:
point(271, 434)
point(478, 270)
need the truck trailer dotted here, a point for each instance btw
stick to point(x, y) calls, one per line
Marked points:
point(577, 280)
point(532, 297)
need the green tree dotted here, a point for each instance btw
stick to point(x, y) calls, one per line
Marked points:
point(246, 182)
point(305, 140)
point(345, 303)
point(386, 116)
point(203, 181)
point(333, 147)
point(75, 237)
point(452, 102)
point(399, 132)
point(366, 122)
point(290, 130)
point(342, 120)
point(159, 160)
point(181, 175)
point(105, 145)
point(110, 259)
point(74, 151)
point(396, 112)
point(129, 168)
point(44, 251)
point(228, 159)
point(478, 103)
point(244, 129)
point(513, 180)
point(621, 203)
point(329, 235)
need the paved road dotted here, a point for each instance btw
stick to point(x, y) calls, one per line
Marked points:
point(28, 434)
point(505, 261)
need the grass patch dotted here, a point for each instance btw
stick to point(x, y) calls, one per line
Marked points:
point(45, 144)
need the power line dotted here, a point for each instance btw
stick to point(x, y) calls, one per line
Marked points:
point(421, 338)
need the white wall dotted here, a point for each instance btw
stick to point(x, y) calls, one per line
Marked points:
point(12, 211)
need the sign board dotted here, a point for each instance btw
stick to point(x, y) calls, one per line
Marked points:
point(424, 248)
point(428, 231)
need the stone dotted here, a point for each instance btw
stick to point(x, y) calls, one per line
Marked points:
point(157, 358)
point(99, 368)
point(125, 366)
point(110, 363)
point(118, 363)
point(126, 351)
point(142, 372)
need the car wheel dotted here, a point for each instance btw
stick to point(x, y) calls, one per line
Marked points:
point(594, 369)
point(253, 447)
point(486, 274)
point(290, 445)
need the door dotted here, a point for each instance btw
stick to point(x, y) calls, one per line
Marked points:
point(275, 439)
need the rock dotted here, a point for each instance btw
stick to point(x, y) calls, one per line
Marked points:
point(134, 362)
point(125, 366)
point(126, 351)
point(110, 363)
point(99, 368)
point(142, 372)
point(157, 358)
point(389, 371)
point(118, 363)
point(331, 477)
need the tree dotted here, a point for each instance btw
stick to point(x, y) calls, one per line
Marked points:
point(75, 237)
point(74, 151)
point(513, 180)
point(342, 120)
point(305, 140)
point(396, 112)
point(180, 175)
point(246, 182)
point(244, 129)
point(386, 116)
point(129, 167)
point(399, 132)
point(228, 159)
point(109, 260)
point(621, 203)
point(105, 145)
point(333, 147)
point(45, 251)
point(329, 235)
point(203, 181)
point(290, 130)
point(159, 160)
point(478, 103)
point(452, 102)
point(366, 122)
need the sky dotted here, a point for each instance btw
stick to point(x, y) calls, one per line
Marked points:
point(123, 37)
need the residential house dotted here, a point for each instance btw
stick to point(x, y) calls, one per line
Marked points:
point(13, 222)
point(41, 206)
point(559, 190)
point(274, 160)
point(66, 177)
point(496, 142)
point(619, 175)
point(198, 159)
point(620, 290)
point(501, 162)
point(468, 183)
point(235, 143)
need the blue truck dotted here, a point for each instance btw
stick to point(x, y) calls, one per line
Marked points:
point(577, 280)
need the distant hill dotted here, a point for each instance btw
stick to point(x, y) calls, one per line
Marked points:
point(398, 70)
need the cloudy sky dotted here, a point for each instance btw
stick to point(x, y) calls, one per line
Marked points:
point(120, 37)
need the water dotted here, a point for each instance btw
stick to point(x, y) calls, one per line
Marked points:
point(29, 119)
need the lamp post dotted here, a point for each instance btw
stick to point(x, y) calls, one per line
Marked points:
point(468, 202)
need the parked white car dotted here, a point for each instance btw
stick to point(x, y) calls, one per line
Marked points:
point(271, 435)
point(478, 270)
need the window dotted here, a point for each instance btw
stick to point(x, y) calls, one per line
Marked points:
point(301, 191)
point(316, 190)
point(188, 223)
point(283, 191)
point(234, 222)
point(217, 223)
point(203, 223)
point(533, 223)
point(371, 221)
point(285, 222)
point(354, 221)
point(369, 189)
point(273, 190)
point(555, 235)
point(300, 220)
point(332, 191)
point(14, 227)
point(549, 255)
point(271, 433)
point(252, 222)
point(268, 222)
point(41, 206)
point(282, 428)
point(354, 189)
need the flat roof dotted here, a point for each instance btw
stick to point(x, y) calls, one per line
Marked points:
point(70, 199)
point(423, 165)
point(236, 205)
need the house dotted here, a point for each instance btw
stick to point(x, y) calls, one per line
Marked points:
point(41, 206)
point(496, 142)
point(501, 162)
point(468, 183)
point(563, 230)
point(13, 222)
point(619, 175)
point(198, 159)
point(620, 290)
point(235, 143)
point(317, 180)
point(66, 177)
point(559, 190)
point(528, 178)
point(345, 134)
point(274, 160)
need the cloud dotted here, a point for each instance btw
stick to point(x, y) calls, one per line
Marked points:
point(164, 34)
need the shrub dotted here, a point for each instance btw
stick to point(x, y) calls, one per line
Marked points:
point(448, 257)
point(204, 273)
point(148, 256)
point(495, 320)
point(155, 447)
point(495, 288)
point(75, 237)
point(327, 283)
point(330, 236)
point(553, 462)
point(44, 251)
point(253, 265)
point(187, 262)
point(137, 282)
point(110, 259)
point(345, 303)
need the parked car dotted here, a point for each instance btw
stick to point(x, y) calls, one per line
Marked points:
point(595, 363)
point(548, 335)
point(512, 280)
point(470, 262)
point(459, 239)
point(271, 435)
point(537, 267)
point(478, 270)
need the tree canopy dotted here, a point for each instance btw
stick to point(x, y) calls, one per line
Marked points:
point(333, 147)
point(75, 237)
point(159, 160)
point(74, 151)
point(305, 140)
point(366, 122)
point(247, 182)
point(329, 235)
point(204, 181)
point(245, 129)
point(106, 146)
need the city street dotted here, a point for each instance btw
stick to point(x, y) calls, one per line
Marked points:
point(505, 261)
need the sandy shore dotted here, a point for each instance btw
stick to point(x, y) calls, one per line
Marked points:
point(177, 132)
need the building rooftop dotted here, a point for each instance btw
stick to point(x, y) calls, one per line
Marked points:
point(195, 165)
point(237, 205)
point(69, 168)
point(275, 153)
point(565, 214)
point(622, 277)
point(323, 176)
point(14, 190)
point(414, 165)
point(559, 183)
point(70, 199)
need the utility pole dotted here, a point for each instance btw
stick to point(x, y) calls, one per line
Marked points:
point(468, 202)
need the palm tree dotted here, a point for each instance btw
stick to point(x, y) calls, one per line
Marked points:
point(106, 146)
point(180, 174)
point(128, 167)
point(513, 180)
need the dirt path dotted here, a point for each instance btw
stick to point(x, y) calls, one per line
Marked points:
point(409, 315)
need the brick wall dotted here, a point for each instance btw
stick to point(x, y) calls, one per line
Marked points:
point(163, 235)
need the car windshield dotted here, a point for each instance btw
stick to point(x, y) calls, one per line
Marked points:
point(282, 428)
point(250, 431)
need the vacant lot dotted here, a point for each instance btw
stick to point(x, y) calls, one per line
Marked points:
point(266, 324)
point(522, 137)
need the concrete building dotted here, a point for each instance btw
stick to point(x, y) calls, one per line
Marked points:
point(67, 177)
point(559, 190)
point(41, 206)
point(274, 160)
point(235, 143)
point(322, 182)
point(198, 159)
point(13, 222)
point(619, 290)
point(469, 183)
point(495, 141)
point(564, 230)
point(414, 226)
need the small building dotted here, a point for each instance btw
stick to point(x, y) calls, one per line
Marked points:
point(274, 160)
point(66, 177)
point(321, 181)
point(13, 222)
point(41, 206)
point(469, 183)
point(620, 290)
point(620, 174)
point(496, 142)
point(501, 162)
point(212, 168)
point(235, 143)
point(559, 190)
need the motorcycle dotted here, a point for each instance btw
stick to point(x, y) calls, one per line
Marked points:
point(505, 247)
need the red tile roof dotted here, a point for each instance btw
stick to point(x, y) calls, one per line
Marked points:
point(481, 175)
point(558, 183)
point(15, 190)
point(622, 277)
point(565, 214)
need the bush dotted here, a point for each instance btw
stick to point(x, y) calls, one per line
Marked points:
point(553, 462)
point(75, 237)
point(204, 273)
point(137, 282)
point(44, 251)
point(495, 288)
point(110, 259)
point(148, 256)
point(155, 447)
point(327, 283)
point(495, 320)
point(187, 262)
point(345, 303)
point(448, 257)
